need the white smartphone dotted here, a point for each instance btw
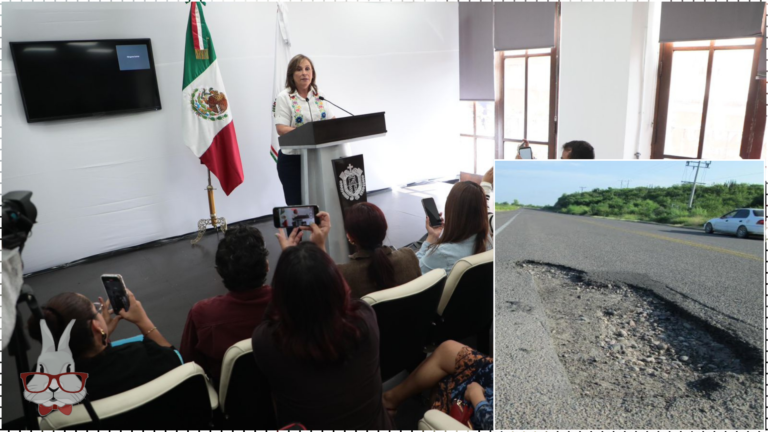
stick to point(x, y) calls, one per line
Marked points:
point(526, 153)
point(115, 288)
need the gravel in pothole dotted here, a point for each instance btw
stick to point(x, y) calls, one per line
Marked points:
point(635, 353)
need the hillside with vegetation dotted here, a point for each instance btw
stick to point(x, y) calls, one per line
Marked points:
point(514, 205)
point(663, 204)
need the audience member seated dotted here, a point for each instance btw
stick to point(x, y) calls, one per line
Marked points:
point(578, 150)
point(111, 369)
point(317, 348)
point(453, 371)
point(465, 230)
point(215, 324)
point(374, 266)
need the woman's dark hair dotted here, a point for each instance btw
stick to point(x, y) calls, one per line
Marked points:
point(580, 150)
point(293, 65)
point(367, 227)
point(312, 314)
point(241, 259)
point(58, 312)
point(466, 214)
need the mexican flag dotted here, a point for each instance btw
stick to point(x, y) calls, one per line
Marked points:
point(206, 116)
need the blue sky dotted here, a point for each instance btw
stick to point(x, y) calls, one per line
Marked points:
point(543, 182)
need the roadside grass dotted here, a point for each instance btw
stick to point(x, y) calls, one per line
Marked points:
point(506, 207)
point(685, 221)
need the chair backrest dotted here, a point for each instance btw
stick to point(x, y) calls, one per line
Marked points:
point(405, 315)
point(180, 399)
point(436, 420)
point(467, 303)
point(245, 400)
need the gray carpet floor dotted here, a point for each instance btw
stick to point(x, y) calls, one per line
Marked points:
point(168, 278)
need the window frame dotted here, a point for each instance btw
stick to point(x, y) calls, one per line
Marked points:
point(474, 135)
point(554, 70)
point(754, 119)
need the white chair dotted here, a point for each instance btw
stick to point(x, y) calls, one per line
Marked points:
point(244, 397)
point(466, 307)
point(405, 314)
point(180, 399)
point(436, 420)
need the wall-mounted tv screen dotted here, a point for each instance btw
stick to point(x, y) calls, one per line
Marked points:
point(67, 79)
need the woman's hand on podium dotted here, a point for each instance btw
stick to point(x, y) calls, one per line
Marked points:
point(292, 240)
point(283, 129)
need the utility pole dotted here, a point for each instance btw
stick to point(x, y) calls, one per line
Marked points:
point(697, 165)
point(582, 188)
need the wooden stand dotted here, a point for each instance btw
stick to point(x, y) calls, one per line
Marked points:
point(215, 221)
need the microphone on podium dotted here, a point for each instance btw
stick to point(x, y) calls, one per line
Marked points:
point(310, 110)
point(322, 98)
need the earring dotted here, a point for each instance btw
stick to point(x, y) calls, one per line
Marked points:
point(103, 338)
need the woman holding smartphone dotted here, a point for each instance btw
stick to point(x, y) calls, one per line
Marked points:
point(318, 348)
point(111, 368)
point(298, 104)
point(465, 232)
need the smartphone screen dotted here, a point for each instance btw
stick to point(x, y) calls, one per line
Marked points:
point(294, 216)
point(431, 210)
point(526, 153)
point(115, 288)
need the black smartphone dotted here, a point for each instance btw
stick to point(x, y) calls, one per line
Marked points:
point(294, 216)
point(526, 153)
point(115, 288)
point(431, 210)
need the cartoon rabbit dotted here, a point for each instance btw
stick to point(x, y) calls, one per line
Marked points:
point(54, 385)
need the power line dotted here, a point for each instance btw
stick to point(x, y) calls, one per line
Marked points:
point(735, 176)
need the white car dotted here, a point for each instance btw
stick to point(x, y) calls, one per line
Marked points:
point(742, 222)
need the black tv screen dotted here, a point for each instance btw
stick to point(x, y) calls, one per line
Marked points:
point(67, 79)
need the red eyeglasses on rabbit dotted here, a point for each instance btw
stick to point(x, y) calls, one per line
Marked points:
point(70, 382)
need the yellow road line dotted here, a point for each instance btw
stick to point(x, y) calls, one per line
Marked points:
point(674, 240)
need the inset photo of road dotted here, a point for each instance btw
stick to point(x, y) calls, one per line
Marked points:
point(629, 294)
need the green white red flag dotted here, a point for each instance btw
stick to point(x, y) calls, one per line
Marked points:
point(207, 125)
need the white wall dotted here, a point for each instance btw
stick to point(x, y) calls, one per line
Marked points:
point(598, 41)
point(102, 184)
point(608, 73)
point(644, 68)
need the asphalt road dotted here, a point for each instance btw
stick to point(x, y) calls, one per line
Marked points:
point(717, 277)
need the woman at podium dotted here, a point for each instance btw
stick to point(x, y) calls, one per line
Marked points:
point(295, 106)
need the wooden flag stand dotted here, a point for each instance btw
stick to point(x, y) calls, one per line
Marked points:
point(215, 221)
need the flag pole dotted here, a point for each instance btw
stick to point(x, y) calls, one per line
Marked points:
point(215, 221)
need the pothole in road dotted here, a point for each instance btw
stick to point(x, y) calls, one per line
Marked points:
point(639, 362)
